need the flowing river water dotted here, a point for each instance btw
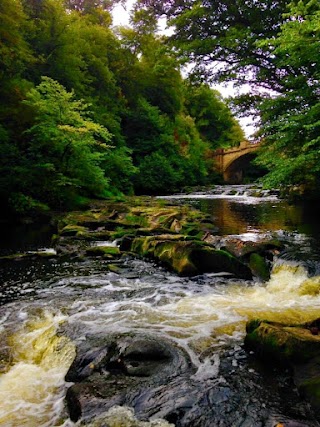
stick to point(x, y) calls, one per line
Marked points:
point(204, 315)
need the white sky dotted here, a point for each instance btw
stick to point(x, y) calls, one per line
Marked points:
point(121, 17)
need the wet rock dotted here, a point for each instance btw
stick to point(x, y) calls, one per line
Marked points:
point(123, 416)
point(108, 252)
point(189, 258)
point(242, 249)
point(28, 255)
point(297, 347)
point(307, 379)
point(117, 370)
point(282, 343)
point(259, 266)
point(72, 230)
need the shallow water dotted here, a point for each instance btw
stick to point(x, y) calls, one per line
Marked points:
point(204, 315)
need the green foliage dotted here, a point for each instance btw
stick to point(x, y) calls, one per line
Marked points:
point(210, 32)
point(212, 116)
point(120, 170)
point(87, 112)
point(272, 45)
point(14, 51)
point(65, 145)
point(25, 205)
point(291, 121)
point(158, 174)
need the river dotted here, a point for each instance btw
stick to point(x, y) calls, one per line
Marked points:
point(203, 315)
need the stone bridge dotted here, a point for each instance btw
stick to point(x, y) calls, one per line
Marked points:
point(231, 162)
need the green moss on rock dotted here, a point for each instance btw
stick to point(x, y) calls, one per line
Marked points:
point(281, 343)
point(259, 266)
point(72, 230)
point(189, 258)
point(105, 251)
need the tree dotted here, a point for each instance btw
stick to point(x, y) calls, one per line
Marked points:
point(15, 57)
point(213, 118)
point(65, 148)
point(14, 51)
point(87, 6)
point(220, 37)
point(272, 45)
point(291, 120)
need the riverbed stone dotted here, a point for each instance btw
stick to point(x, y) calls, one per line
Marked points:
point(259, 266)
point(170, 234)
point(282, 343)
point(116, 370)
point(189, 258)
point(108, 252)
point(295, 346)
point(244, 248)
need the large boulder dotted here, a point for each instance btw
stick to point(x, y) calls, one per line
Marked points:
point(244, 248)
point(119, 370)
point(189, 258)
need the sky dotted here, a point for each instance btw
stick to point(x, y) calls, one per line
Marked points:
point(121, 17)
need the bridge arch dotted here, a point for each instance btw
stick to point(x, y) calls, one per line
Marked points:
point(234, 171)
point(232, 161)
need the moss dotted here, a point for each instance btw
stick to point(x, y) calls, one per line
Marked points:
point(252, 325)
point(259, 266)
point(209, 260)
point(280, 343)
point(120, 232)
point(105, 251)
point(114, 268)
point(72, 230)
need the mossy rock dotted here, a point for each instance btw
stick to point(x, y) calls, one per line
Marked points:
point(14, 257)
point(189, 258)
point(279, 343)
point(259, 266)
point(145, 218)
point(105, 251)
point(93, 235)
point(72, 230)
point(243, 249)
point(28, 255)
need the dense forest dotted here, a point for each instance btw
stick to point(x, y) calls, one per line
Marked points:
point(90, 110)
point(274, 47)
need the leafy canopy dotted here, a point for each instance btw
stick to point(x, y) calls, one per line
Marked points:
point(65, 144)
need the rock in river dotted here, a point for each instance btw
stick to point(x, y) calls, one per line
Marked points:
point(132, 370)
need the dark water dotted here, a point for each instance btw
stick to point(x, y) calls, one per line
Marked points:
point(24, 237)
point(205, 316)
